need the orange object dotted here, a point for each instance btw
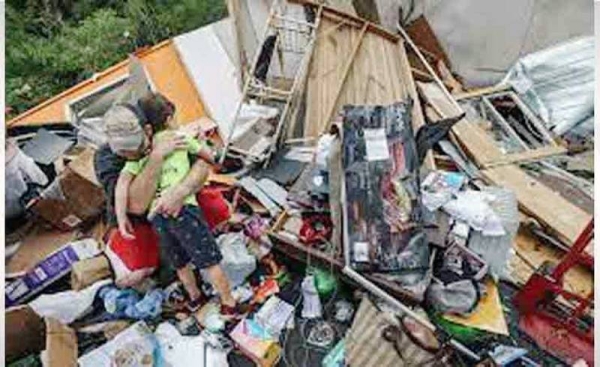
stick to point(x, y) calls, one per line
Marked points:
point(268, 288)
point(165, 70)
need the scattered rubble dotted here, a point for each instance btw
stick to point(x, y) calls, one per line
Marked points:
point(370, 210)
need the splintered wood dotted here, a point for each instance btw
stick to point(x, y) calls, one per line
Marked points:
point(530, 254)
point(355, 62)
point(563, 218)
point(350, 65)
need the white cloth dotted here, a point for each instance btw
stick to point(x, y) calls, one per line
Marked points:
point(187, 351)
point(473, 207)
point(67, 306)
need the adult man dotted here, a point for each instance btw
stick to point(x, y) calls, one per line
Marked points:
point(130, 129)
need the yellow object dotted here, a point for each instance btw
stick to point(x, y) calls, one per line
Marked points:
point(253, 341)
point(222, 179)
point(487, 316)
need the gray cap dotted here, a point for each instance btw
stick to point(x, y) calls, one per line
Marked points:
point(123, 129)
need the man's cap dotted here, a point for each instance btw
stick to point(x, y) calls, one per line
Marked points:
point(123, 128)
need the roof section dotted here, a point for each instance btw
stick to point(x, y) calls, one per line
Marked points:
point(212, 71)
point(165, 70)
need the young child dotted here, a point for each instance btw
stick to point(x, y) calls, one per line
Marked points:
point(185, 238)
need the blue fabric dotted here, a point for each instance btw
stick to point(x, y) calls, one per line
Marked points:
point(126, 303)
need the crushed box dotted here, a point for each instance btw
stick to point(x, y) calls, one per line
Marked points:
point(75, 197)
point(47, 271)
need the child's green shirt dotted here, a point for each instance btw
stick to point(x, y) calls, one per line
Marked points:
point(174, 167)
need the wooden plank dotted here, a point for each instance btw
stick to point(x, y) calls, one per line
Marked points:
point(338, 90)
point(531, 254)
point(342, 5)
point(355, 21)
point(481, 92)
point(530, 155)
point(472, 137)
point(548, 207)
point(418, 119)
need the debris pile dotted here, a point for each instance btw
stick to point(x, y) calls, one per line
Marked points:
point(366, 214)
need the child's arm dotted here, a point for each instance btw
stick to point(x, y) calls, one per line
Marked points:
point(201, 147)
point(207, 154)
point(121, 198)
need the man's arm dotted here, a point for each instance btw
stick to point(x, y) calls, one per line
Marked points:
point(143, 187)
point(121, 199)
point(171, 201)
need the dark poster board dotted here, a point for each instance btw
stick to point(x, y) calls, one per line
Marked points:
point(382, 200)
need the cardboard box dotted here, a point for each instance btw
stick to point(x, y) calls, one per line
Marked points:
point(75, 197)
point(88, 271)
point(27, 333)
point(52, 268)
point(37, 245)
point(256, 343)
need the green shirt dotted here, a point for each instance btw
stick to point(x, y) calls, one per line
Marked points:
point(174, 167)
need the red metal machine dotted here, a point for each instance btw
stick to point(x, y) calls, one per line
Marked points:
point(560, 321)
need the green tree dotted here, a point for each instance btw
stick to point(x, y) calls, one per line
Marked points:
point(52, 45)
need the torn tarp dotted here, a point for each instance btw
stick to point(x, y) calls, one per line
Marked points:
point(558, 85)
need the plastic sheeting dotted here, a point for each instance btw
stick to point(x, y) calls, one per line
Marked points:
point(67, 306)
point(237, 262)
point(497, 250)
point(558, 85)
point(20, 170)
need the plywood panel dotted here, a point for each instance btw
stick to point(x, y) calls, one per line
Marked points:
point(376, 75)
point(531, 254)
point(547, 206)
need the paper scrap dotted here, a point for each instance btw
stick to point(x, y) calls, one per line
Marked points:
point(376, 145)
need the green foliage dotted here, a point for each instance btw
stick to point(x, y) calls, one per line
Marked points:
point(52, 45)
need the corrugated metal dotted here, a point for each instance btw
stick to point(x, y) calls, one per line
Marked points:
point(558, 84)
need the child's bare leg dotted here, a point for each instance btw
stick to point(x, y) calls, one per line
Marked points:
point(188, 279)
point(220, 282)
